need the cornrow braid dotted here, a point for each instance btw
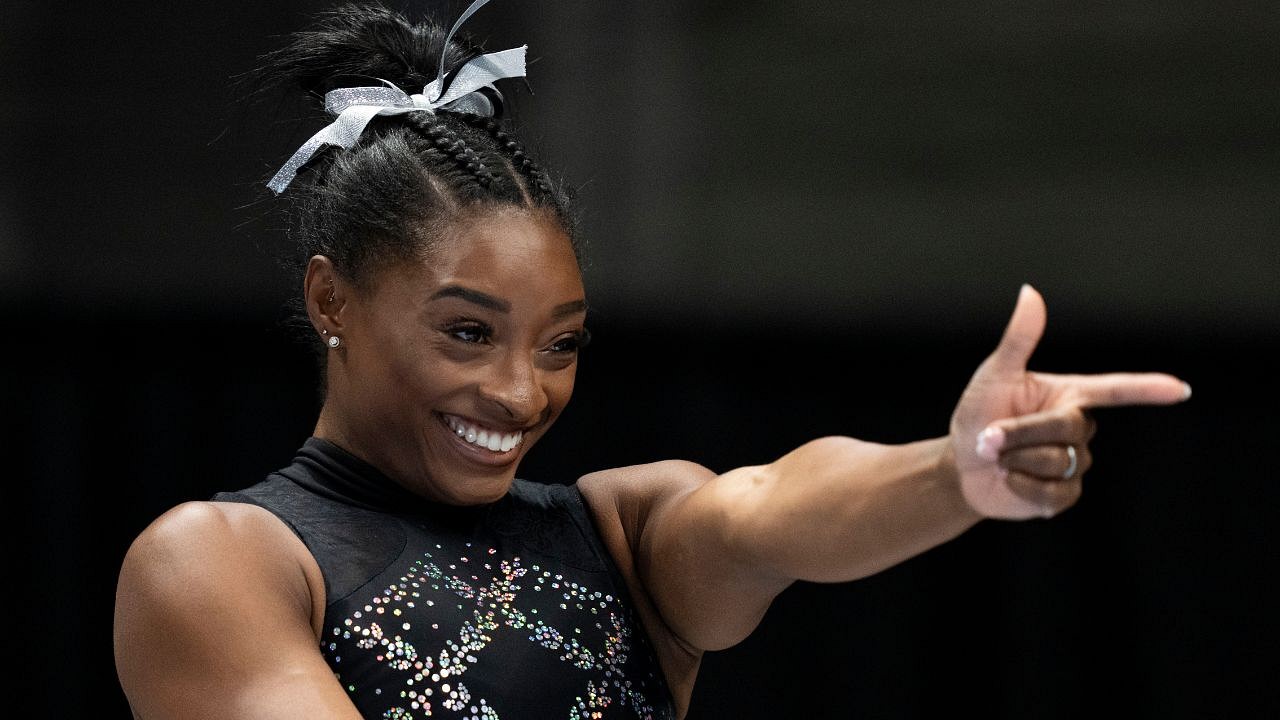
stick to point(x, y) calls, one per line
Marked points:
point(519, 156)
point(445, 141)
point(538, 187)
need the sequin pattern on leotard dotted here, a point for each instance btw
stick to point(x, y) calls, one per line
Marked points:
point(461, 605)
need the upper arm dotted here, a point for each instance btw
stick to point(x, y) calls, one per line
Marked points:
point(683, 526)
point(214, 618)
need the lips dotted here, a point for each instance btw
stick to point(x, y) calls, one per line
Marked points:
point(492, 442)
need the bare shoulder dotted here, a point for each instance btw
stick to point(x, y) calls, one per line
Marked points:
point(214, 602)
point(207, 545)
point(636, 488)
point(204, 527)
point(622, 500)
point(204, 554)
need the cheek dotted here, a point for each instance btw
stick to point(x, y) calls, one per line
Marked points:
point(559, 387)
point(424, 380)
point(408, 375)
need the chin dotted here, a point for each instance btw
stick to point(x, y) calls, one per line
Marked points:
point(457, 488)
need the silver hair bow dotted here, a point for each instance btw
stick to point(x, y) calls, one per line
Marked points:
point(355, 107)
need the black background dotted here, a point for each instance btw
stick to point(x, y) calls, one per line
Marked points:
point(805, 218)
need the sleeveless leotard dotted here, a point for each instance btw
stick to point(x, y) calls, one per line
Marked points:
point(511, 610)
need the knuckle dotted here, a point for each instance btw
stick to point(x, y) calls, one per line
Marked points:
point(1036, 490)
point(1063, 493)
point(1035, 461)
point(1056, 426)
point(1066, 494)
point(1021, 485)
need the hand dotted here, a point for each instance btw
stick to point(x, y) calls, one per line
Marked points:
point(1012, 428)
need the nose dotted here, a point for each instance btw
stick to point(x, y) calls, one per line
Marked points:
point(513, 385)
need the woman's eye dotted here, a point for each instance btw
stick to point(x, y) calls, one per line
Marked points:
point(473, 334)
point(572, 343)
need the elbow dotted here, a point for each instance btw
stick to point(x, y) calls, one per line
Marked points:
point(832, 453)
point(826, 467)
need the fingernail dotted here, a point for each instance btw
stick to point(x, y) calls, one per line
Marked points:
point(989, 443)
point(1186, 391)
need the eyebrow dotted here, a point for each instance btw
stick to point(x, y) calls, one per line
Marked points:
point(569, 308)
point(485, 300)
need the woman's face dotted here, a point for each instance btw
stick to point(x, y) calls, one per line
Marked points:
point(453, 367)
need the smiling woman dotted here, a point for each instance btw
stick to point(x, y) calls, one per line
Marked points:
point(452, 366)
point(398, 568)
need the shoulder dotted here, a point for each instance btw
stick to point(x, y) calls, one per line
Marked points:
point(196, 532)
point(205, 563)
point(675, 524)
point(624, 502)
point(203, 553)
point(636, 489)
point(209, 594)
point(217, 615)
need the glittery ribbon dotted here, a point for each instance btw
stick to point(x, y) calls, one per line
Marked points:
point(355, 107)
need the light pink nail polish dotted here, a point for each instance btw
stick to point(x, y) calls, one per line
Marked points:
point(989, 443)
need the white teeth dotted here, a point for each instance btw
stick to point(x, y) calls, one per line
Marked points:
point(490, 439)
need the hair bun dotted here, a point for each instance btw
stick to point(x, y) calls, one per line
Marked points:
point(355, 44)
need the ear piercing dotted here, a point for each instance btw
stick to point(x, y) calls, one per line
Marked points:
point(333, 341)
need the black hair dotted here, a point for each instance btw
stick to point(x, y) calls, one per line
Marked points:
point(386, 199)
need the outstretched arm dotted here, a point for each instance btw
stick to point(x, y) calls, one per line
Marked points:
point(714, 550)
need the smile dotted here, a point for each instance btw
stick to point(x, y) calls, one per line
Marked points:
point(480, 436)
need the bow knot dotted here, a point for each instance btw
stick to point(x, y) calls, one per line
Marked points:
point(355, 107)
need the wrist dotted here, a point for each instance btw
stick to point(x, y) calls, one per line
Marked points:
point(947, 473)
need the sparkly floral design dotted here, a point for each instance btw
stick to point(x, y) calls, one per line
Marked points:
point(431, 682)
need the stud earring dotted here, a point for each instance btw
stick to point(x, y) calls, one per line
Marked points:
point(334, 341)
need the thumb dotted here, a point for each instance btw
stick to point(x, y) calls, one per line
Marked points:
point(1022, 334)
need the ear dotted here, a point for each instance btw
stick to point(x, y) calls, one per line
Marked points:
point(325, 295)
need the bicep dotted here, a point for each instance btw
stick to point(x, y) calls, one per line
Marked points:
point(210, 622)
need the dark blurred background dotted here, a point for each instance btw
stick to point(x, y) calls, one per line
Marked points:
point(805, 218)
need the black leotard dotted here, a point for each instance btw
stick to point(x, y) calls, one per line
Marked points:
point(510, 610)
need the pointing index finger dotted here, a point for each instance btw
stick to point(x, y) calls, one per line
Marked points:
point(1115, 389)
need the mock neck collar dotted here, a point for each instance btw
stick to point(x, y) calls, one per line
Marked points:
point(329, 470)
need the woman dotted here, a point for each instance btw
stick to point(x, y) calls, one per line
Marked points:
point(397, 569)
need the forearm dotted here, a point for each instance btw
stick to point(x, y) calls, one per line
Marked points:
point(839, 509)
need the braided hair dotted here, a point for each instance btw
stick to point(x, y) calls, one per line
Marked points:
point(386, 199)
